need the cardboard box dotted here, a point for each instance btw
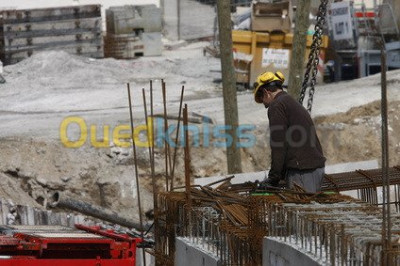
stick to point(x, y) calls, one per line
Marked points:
point(268, 17)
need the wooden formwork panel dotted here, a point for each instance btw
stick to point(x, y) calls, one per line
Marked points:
point(52, 28)
point(48, 41)
point(51, 14)
point(76, 29)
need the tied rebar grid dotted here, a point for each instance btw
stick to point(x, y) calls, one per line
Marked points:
point(367, 183)
point(217, 224)
point(360, 179)
point(229, 225)
point(226, 220)
point(345, 233)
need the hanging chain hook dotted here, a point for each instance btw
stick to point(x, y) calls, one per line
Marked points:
point(313, 57)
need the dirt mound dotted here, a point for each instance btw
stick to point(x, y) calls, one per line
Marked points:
point(368, 110)
point(356, 135)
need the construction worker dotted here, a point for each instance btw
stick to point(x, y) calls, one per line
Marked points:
point(296, 153)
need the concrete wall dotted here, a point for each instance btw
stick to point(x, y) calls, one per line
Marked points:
point(396, 9)
point(278, 253)
point(188, 253)
point(187, 19)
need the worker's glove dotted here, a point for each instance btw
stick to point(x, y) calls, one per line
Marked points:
point(268, 183)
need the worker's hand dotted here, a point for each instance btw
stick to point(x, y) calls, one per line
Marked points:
point(268, 183)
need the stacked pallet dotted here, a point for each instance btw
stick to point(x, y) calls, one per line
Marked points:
point(74, 29)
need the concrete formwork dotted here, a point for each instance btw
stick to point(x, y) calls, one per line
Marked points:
point(188, 253)
point(276, 252)
point(75, 29)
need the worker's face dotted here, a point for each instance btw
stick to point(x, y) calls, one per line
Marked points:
point(267, 98)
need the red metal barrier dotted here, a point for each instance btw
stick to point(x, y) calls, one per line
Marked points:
point(89, 246)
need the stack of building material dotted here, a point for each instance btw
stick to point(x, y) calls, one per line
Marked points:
point(272, 16)
point(133, 31)
point(75, 29)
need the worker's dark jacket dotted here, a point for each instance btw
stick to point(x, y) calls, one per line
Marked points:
point(294, 142)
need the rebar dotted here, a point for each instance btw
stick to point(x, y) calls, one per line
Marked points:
point(167, 152)
point(136, 168)
point(176, 139)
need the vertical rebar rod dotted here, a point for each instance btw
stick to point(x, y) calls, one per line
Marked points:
point(153, 178)
point(309, 232)
point(326, 233)
point(332, 246)
point(151, 155)
point(396, 198)
point(321, 239)
point(289, 224)
point(343, 245)
point(302, 232)
point(187, 162)
point(176, 139)
point(136, 169)
point(166, 144)
point(297, 227)
point(315, 233)
point(385, 155)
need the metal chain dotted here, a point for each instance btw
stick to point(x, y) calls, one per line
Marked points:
point(313, 58)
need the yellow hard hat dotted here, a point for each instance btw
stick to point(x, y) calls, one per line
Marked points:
point(265, 78)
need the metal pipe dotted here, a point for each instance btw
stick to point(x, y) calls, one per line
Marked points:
point(61, 201)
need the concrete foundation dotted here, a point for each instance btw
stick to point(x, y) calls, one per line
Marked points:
point(188, 253)
point(278, 253)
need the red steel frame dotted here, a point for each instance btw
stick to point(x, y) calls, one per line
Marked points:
point(25, 249)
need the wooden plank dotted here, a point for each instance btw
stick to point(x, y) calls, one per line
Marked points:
point(50, 14)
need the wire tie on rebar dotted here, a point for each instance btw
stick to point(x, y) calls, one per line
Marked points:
point(329, 178)
point(366, 175)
